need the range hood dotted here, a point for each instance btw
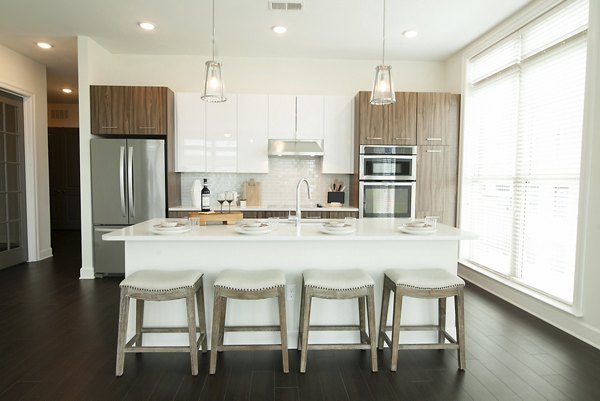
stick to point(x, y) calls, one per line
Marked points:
point(293, 147)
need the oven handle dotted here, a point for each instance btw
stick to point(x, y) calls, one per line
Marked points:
point(401, 157)
point(388, 183)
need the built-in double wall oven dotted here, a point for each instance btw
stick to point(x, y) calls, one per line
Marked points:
point(387, 181)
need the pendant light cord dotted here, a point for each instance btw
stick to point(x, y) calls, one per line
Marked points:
point(213, 30)
point(383, 52)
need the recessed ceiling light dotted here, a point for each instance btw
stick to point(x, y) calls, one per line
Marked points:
point(279, 29)
point(148, 26)
point(67, 90)
point(410, 34)
point(44, 45)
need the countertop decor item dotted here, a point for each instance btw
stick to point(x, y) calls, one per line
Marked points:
point(383, 87)
point(252, 193)
point(224, 218)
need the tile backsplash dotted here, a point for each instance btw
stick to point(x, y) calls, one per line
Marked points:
point(278, 187)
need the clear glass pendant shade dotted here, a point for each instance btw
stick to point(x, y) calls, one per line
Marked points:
point(383, 87)
point(214, 89)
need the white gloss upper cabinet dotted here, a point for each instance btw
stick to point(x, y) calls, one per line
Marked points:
point(338, 122)
point(221, 136)
point(309, 117)
point(190, 132)
point(282, 116)
point(252, 138)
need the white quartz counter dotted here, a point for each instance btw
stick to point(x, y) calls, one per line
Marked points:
point(376, 245)
point(270, 208)
point(366, 230)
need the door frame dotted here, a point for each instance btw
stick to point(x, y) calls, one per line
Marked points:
point(32, 195)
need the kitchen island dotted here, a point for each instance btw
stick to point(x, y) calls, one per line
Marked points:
point(376, 245)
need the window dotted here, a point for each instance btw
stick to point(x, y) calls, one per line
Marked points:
point(521, 151)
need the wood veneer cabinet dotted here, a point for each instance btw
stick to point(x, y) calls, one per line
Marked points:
point(437, 118)
point(393, 124)
point(437, 176)
point(131, 110)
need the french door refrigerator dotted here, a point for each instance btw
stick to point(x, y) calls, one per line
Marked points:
point(128, 187)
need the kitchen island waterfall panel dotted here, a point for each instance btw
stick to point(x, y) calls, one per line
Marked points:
point(376, 246)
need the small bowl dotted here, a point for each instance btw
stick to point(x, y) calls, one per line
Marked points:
point(168, 224)
point(336, 224)
point(416, 223)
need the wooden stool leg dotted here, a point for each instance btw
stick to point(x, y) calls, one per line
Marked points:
point(202, 315)
point(459, 310)
point(191, 317)
point(223, 307)
point(396, 328)
point(372, 331)
point(304, 328)
point(441, 319)
point(385, 301)
point(361, 321)
point(139, 320)
point(283, 330)
point(301, 323)
point(216, 327)
point(122, 333)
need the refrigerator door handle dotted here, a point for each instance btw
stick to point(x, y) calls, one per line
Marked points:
point(130, 182)
point(122, 180)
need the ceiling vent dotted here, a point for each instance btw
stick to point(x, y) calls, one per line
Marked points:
point(286, 5)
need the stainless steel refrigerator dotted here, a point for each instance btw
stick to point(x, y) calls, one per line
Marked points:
point(128, 187)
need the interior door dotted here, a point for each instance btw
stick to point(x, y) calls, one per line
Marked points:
point(63, 158)
point(13, 224)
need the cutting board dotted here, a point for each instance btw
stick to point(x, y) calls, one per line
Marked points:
point(252, 193)
point(212, 217)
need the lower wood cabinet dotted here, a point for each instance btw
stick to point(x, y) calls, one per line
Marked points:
point(437, 175)
point(284, 214)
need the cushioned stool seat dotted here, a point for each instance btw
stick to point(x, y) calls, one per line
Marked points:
point(423, 283)
point(338, 284)
point(247, 284)
point(154, 285)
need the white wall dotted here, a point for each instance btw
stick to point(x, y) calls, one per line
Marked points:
point(586, 326)
point(242, 75)
point(27, 78)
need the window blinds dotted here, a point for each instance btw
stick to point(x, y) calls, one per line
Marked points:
point(522, 145)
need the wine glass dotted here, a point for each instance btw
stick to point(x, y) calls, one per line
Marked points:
point(229, 198)
point(221, 199)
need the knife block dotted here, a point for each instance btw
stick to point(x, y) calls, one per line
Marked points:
point(335, 197)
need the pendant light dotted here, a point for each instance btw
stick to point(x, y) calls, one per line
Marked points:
point(214, 89)
point(383, 87)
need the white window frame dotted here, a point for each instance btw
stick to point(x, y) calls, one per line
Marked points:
point(526, 15)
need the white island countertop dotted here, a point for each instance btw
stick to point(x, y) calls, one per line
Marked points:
point(377, 229)
point(376, 245)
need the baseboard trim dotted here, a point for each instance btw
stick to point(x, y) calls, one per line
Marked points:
point(45, 253)
point(86, 273)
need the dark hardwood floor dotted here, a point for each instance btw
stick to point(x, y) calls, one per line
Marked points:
point(58, 340)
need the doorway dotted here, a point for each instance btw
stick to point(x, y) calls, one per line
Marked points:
point(13, 216)
point(63, 157)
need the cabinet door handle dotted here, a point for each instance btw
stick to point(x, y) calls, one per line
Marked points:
point(109, 127)
point(401, 138)
point(433, 151)
point(146, 127)
point(432, 217)
point(434, 139)
point(374, 138)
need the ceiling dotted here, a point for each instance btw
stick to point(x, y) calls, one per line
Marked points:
point(342, 29)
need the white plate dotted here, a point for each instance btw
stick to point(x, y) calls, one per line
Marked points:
point(347, 231)
point(338, 226)
point(266, 230)
point(254, 227)
point(178, 227)
point(419, 228)
point(170, 232)
point(420, 231)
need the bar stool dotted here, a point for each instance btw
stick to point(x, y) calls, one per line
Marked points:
point(424, 283)
point(247, 285)
point(154, 285)
point(338, 284)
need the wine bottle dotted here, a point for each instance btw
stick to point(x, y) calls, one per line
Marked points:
point(205, 198)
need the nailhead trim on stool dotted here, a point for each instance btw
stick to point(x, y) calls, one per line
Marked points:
point(153, 285)
point(422, 283)
point(338, 284)
point(247, 284)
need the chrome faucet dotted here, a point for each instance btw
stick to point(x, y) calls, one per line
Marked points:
point(298, 212)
